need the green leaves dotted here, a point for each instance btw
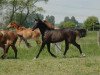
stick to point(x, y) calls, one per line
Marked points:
point(68, 24)
point(90, 22)
point(21, 7)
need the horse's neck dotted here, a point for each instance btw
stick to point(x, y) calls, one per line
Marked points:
point(43, 30)
point(49, 25)
point(17, 27)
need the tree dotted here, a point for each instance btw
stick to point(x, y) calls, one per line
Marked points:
point(91, 22)
point(74, 20)
point(66, 19)
point(68, 24)
point(30, 20)
point(23, 7)
point(51, 19)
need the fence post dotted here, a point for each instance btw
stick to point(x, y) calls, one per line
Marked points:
point(58, 47)
point(98, 37)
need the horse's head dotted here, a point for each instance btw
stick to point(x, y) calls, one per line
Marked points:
point(38, 24)
point(12, 25)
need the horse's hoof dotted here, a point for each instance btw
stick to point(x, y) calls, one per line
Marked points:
point(2, 57)
point(83, 55)
point(55, 56)
point(34, 58)
point(15, 57)
point(64, 56)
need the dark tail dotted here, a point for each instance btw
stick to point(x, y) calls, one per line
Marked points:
point(81, 32)
point(25, 40)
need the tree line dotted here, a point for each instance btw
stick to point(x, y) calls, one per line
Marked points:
point(91, 23)
point(24, 12)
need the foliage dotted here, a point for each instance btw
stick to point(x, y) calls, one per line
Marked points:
point(23, 7)
point(51, 19)
point(74, 20)
point(66, 19)
point(91, 22)
point(29, 22)
point(68, 24)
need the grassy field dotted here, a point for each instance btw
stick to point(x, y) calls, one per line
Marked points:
point(73, 64)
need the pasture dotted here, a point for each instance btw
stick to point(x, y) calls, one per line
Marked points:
point(73, 64)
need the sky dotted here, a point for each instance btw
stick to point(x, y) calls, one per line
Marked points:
point(81, 9)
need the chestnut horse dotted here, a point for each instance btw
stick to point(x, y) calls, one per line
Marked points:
point(27, 33)
point(7, 39)
point(51, 35)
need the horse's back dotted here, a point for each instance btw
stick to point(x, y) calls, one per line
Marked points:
point(8, 37)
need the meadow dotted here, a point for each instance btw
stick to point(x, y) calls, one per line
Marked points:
point(73, 64)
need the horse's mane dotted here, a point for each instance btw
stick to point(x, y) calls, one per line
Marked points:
point(48, 24)
point(18, 26)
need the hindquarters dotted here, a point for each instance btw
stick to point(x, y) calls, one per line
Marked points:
point(71, 39)
point(9, 38)
point(82, 32)
point(69, 35)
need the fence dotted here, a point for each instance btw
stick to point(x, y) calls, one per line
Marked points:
point(98, 38)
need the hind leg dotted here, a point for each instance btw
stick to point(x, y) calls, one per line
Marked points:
point(37, 40)
point(5, 47)
point(25, 40)
point(66, 48)
point(48, 46)
point(78, 46)
point(15, 50)
point(20, 40)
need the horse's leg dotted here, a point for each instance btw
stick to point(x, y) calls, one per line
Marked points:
point(15, 50)
point(5, 47)
point(37, 40)
point(66, 48)
point(20, 41)
point(48, 46)
point(43, 44)
point(78, 46)
point(25, 40)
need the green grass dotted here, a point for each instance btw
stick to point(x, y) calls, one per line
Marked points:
point(73, 64)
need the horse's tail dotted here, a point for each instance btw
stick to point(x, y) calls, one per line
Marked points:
point(81, 32)
point(25, 40)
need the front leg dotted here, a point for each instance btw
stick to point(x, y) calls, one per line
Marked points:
point(48, 46)
point(42, 46)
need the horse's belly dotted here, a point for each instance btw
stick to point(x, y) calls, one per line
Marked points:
point(55, 39)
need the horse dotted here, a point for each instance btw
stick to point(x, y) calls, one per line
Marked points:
point(27, 33)
point(52, 35)
point(82, 32)
point(7, 39)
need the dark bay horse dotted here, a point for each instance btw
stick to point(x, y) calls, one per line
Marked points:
point(27, 33)
point(7, 39)
point(51, 35)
